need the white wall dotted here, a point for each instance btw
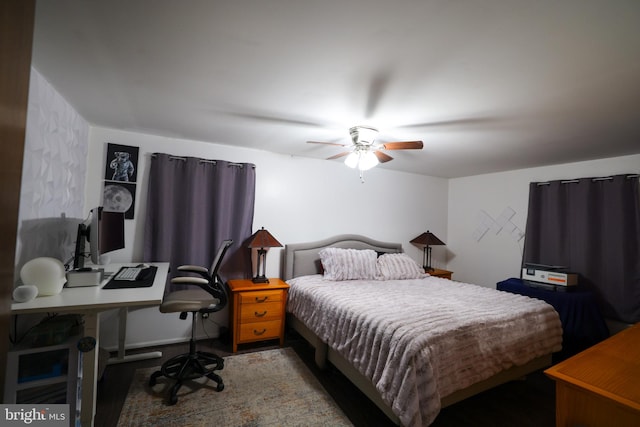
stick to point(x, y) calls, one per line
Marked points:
point(297, 200)
point(496, 257)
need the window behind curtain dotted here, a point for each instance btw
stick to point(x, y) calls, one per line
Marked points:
point(193, 205)
point(591, 226)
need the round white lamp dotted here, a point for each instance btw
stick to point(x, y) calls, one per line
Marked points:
point(46, 274)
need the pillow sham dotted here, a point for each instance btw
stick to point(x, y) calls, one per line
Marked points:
point(348, 264)
point(398, 266)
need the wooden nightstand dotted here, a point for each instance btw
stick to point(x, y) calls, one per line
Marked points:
point(257, 310)
point(436, 272)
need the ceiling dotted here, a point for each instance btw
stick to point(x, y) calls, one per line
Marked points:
point(488, 85)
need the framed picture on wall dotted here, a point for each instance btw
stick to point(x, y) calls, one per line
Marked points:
point(122, 163)
point(119, 197)
point(120, 177)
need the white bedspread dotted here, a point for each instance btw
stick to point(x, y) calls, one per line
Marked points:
point(423, 339)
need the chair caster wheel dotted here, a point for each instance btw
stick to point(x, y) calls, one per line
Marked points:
point(152, 379)
point(173, 393)
point(220, 387)
point(173, 400)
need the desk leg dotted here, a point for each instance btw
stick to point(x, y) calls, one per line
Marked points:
point(122, 331)
point(122, 335)
point(90, 371)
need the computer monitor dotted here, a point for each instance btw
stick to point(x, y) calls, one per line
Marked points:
point(104, 231)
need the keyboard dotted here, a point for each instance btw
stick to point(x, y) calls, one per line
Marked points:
point(128, 273)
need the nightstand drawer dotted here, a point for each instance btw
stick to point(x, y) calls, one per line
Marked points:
point(260, 330)
point(254, 297)
point(260, 312)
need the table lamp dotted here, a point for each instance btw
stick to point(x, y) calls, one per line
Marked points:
point(427, 240)
point(260, 240)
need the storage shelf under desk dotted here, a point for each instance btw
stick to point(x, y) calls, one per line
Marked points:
point(45, 374)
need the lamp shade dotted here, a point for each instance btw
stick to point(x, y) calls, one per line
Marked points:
point(260, 240)
point(427, 239)
point(263, 239)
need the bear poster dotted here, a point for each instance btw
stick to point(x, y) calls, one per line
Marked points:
point(121, 171)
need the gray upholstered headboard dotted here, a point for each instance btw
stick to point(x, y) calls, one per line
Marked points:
point(302, 259)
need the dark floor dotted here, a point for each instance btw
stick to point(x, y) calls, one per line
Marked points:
point(526, 403)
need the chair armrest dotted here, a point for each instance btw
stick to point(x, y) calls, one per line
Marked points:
point(193, 269)
point(190, 281)
point(215, 290)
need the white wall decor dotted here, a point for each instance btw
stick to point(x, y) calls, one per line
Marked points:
point(485, 222)
point(55, 155)
point(53, 174)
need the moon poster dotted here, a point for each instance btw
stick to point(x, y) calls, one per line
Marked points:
point(121, 170)
point(119, 197)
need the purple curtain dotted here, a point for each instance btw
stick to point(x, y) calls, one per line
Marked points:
point(192, 206)
point(591, 226)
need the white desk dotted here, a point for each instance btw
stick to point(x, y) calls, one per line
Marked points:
point(90, 301)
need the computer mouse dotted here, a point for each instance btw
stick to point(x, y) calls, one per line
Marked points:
point(143, 266)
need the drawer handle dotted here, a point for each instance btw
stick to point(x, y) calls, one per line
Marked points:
point(258, 299)
point(259, 332)
point(260, 314)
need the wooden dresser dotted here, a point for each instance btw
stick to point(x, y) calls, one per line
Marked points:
point(257, 311)
point(601, 385)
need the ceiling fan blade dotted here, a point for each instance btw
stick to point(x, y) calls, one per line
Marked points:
point(327, 143)
point(377, 87)
point(487, 120)
point(382, 157)
point(403, 145)
point(337, 156)
point(274, 119)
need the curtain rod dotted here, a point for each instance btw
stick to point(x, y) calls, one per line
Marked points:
point(213, 162)
point(574, 181)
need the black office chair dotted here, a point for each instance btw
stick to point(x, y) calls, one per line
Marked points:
point(208, 298)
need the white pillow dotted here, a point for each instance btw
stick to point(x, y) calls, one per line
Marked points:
point(398, 266)
point(348, 264)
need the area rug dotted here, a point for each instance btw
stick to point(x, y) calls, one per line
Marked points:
point(265, 388)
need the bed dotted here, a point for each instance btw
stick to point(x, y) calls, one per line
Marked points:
point(412, 345)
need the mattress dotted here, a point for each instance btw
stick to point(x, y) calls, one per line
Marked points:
point(420, 340)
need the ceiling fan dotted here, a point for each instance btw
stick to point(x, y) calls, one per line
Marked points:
point(365, 153)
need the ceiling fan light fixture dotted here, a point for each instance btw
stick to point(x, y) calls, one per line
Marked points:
point(352, 160)
point(367, 160)
point(364, 135)
point(361, 159)
point(365, 153)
